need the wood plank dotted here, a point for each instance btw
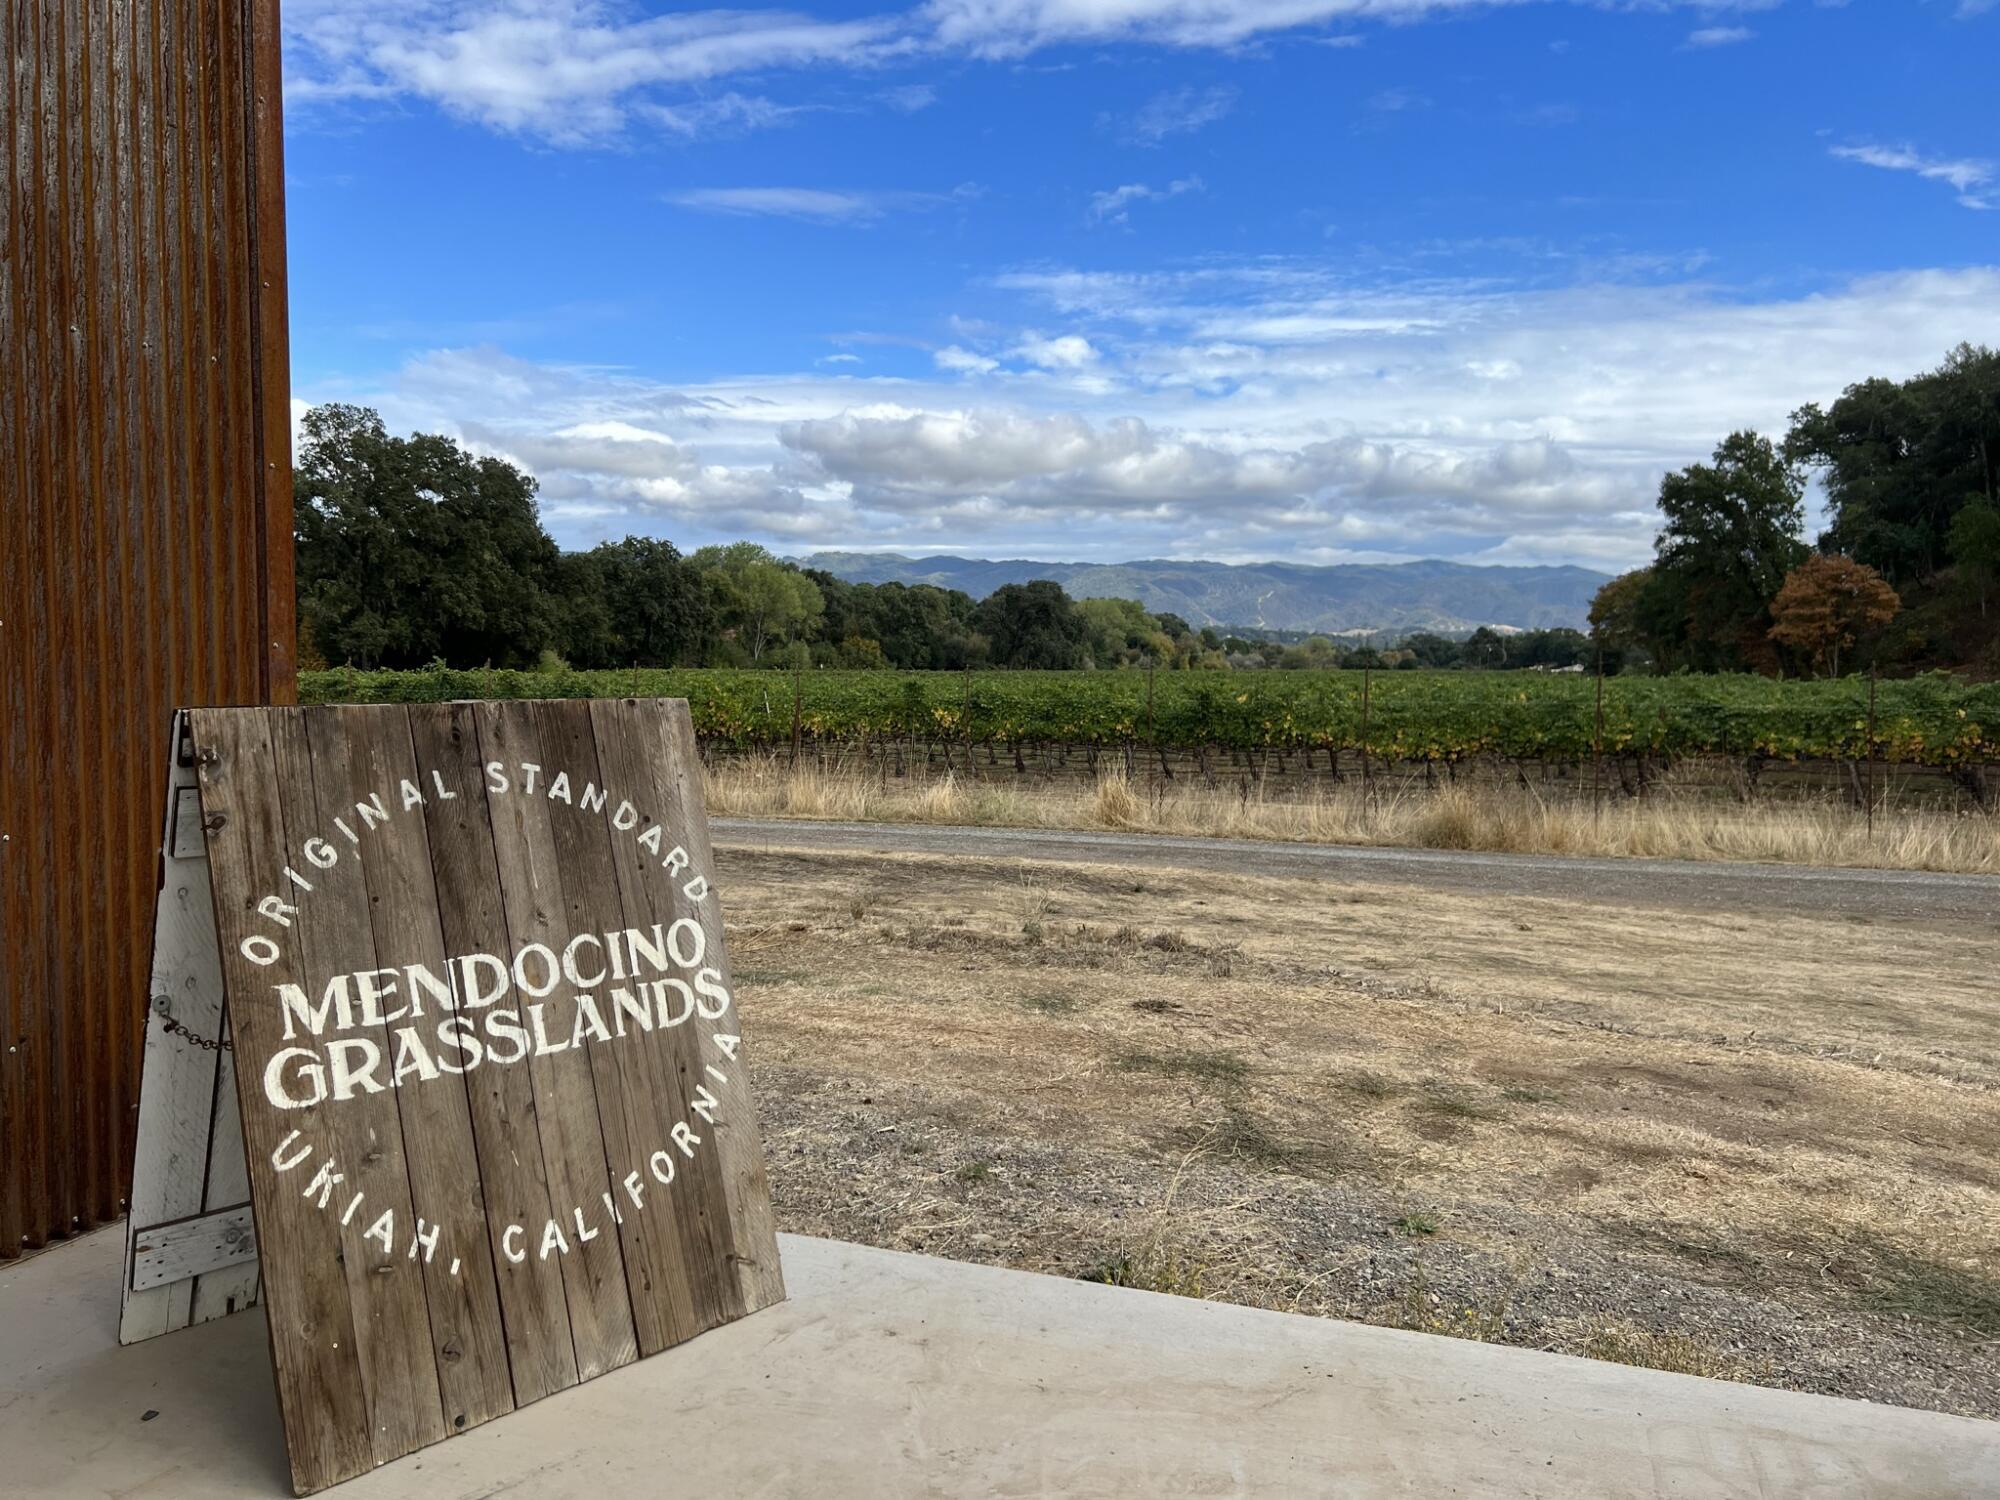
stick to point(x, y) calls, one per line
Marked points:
point(374, 757)
point(184, 836)
point(187, 1156)
point(753, 1230)
point(359, 1139)
point(177, 1086)
point(531, 887)
point(163, 1254)
point(505, 1120)
point(479, 1172)
point(696, 1204)
point(631, 1107)
point(323, 1375)
point(228, 1289)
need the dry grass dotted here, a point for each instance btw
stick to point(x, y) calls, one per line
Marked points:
point(1759, 1147)
point(1622, 1343)
point(1669, 824)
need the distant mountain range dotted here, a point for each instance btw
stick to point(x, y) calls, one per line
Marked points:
point(1449, 598)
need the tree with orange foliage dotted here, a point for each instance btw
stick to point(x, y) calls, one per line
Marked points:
point(1826, 602)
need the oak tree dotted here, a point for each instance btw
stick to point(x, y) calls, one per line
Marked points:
point(1827, 603)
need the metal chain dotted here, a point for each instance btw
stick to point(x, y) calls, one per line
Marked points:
point(169, 1025)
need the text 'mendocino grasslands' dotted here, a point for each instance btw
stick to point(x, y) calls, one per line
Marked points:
point(402, 1025)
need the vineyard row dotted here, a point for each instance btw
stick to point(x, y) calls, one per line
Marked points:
point(1433, 718)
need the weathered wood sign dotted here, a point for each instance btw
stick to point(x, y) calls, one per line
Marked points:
point(461, 967)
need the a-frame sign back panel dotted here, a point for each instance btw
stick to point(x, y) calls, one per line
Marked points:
point(493, 1099)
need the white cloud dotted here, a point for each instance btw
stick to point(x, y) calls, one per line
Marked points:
point(1719, 36)
point(1398, 101)
point(707, 117)
point(905, 459)
point(562, 69)
point(1262, 409)
point(1968, 176)
point(1010, 28)
point(812, 205)
point(1068, 352)
point(1113, 206)
point(964, 361)
point(578, 72)
point(1178, 112)
point(815, 205)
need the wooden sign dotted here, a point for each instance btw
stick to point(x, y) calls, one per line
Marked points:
point(461, 967)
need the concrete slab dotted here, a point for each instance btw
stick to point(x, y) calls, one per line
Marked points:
point(893, 1375)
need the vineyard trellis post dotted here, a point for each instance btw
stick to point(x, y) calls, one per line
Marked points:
point(1597, 750)
point(965, 718)
point(1869, 792)
point(1367, 787)
point(1152, 735)
point(798, 711)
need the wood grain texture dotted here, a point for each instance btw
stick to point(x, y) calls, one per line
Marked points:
point(324, 1383)
point(632, 1108)
point(439, 1152)
point(176, 1253)
point(188, 1157)
point(753, 1229)
point(531, 891)
point(232, 1288)
point(506, 1125)
point(442, 1243)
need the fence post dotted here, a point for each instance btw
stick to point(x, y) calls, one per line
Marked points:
point(798, 725)
point(1869, 793)
point(1597, 751)
point(1367, 789)
point(1153, 732)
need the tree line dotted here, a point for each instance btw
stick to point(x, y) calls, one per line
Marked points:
point(411, 550)
point(1905, 575)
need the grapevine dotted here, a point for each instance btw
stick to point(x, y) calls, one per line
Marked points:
point(1440, 718)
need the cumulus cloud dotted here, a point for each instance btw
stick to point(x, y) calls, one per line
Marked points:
point(963, 361)
point(1718, 36)
point(904, 459)
point(1970, 177)
point(1251, 410)
point(1065, 352)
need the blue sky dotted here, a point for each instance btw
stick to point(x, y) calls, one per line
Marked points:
point(1310, 279)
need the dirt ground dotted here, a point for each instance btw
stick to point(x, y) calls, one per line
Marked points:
point(1760, 1148)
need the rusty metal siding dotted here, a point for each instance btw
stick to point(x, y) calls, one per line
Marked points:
point(145, 524)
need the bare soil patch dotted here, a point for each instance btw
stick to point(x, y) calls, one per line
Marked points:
point(1756, 1148)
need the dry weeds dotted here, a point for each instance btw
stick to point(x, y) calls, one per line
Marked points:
point(1752, 1147)
point(1669, 823)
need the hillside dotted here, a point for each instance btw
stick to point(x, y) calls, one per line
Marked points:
point(1450, 598)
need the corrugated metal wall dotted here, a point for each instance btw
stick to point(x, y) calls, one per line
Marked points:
point(145, 539)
